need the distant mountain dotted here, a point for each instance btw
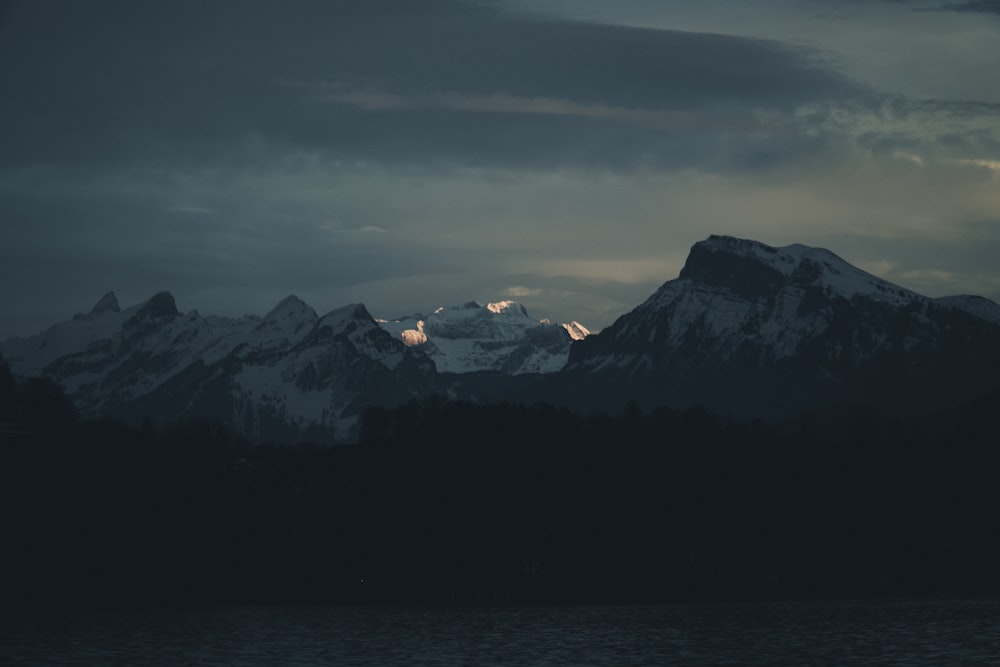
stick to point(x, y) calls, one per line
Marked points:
point(288, 375)
point(495, 337)
point(751, 329)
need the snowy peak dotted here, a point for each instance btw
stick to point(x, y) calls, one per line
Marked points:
point(106, 304)
point(276, 375)
point(504, 320)
point(784, 260)
point(499, 336)
point(746, 328)
point(750, 327)
point(734, 292)
point(576, 330)
point(751, 268)
point(510, 308)
point(355, 324)
point(286, 324)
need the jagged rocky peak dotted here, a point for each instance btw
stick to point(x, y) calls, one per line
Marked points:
point(159, 305)
point(745, 267)
point(106, 304)
point(507, 308)
point(751, 268)
point(153, 314)
point(576, 330)
point(785, 260)
point(291, 307)
point(345, 318)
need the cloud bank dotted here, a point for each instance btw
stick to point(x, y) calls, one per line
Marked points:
point(413, 155)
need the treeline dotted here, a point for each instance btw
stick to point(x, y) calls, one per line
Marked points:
point(683, 503)
point(450, 502)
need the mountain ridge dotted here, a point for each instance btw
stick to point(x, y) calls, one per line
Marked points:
point(745, 329)
point(750, 328)
point(283, 375)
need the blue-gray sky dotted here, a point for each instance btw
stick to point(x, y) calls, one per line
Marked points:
point(410, 154)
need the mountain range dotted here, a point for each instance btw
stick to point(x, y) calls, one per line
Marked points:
point(288, 375)
point(745, 329)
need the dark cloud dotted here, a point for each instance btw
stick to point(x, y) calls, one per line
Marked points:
point(185, 83)
point(985, 6)
point(976, 141)
point(886, 143)
point(963, 109)
point(415, 154)
point(73, 247)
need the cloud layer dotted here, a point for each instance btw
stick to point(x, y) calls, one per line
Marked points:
point(412, 155)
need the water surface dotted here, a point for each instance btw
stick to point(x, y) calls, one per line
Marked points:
point(903, 632)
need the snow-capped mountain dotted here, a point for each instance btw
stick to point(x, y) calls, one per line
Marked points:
point(284, 376)
point(745, 328)
point(495, 337)
point(750, 328)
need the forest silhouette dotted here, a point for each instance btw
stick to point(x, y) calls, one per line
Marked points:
point(450, 502)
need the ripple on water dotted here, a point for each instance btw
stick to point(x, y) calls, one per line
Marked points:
point(907, 632)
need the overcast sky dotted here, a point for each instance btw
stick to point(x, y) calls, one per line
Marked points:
point(409, 154)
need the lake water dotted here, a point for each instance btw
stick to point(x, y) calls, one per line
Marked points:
point(885, 632)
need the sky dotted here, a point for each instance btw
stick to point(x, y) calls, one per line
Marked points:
point(409, 154)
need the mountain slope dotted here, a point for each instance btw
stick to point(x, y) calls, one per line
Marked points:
point(283, 376)
point(752, 329)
